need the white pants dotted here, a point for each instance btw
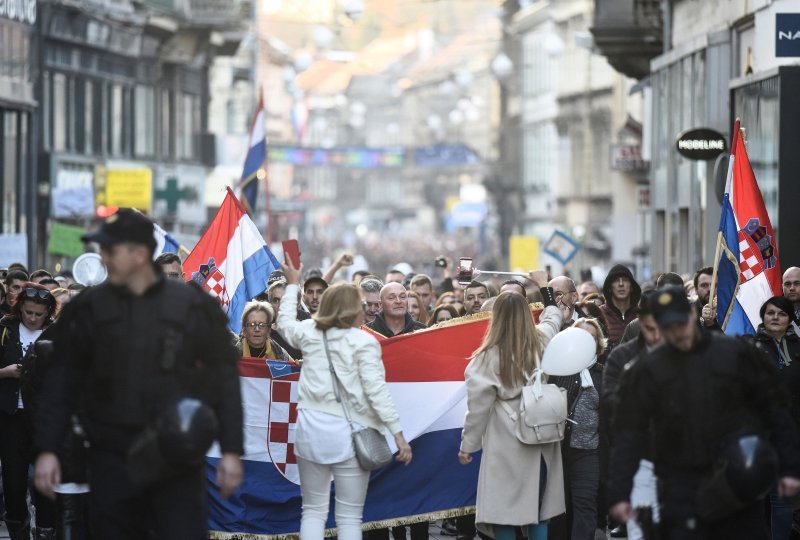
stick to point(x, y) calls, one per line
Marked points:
point(315, 487)
point(644, 493)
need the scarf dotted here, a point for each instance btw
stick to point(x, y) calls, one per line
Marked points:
point(586, 377)
point(268, 352)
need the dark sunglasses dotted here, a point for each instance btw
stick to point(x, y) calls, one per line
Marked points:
point(30, 292)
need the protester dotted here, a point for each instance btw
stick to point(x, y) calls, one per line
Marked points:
point(586, 288)
point(581, 446)
point(702, 396)
point(5, 308)
point(566, 296)
point(38, 275)
point(513, 285)
point(30, 320)
point(422, 285)
point(622, 294)
point(475, 294)
point(171, 265)
point(275, 292)
point(13, 282)
point(323, 444)
point(394, 276)
point(313, 287)
point(371, 297)
point(62, 298)
point(416, 308)
point(702, 286)
point(791, 288)
point(780, 345)
point(518, 484)
point(442, 314)
point(254, 340)
point(394, 318)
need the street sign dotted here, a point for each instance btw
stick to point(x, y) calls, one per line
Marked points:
point(701, 144)
point(627, 158)
point(561, 247)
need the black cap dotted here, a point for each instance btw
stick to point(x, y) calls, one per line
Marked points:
point(671, 306)
point(315, 279)
point(277, 275)
point(125, 225)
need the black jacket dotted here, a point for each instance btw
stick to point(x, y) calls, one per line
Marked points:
point(379, 325)
point(11, 353)
point(789, 375)
point(693, 401)
point(572, 384)
point(123, 356)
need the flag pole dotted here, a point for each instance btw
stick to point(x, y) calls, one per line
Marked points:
point(712, 300)
point(268, 225)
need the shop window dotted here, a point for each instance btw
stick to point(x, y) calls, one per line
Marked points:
point(144, 121)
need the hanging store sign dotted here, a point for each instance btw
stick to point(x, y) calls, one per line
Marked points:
point(701, 144)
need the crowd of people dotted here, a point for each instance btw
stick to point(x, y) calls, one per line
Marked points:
point(656, 423)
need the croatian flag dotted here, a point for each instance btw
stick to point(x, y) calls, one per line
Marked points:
point(231, 261)
point(425, 376)
point(247, 190)
point(164, 242)
point(749, 270)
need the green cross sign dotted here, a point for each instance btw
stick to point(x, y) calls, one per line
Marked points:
point(173, 195)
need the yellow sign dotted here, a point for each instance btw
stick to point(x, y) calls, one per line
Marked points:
point(523, 253)
point(129, 188)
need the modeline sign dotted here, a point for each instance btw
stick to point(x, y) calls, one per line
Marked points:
point(787, 34)
point(701, 144)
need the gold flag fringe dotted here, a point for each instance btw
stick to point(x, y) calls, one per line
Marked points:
point(372, 525)
point(466, 319)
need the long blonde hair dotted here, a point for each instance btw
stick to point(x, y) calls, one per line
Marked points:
point(514, 333)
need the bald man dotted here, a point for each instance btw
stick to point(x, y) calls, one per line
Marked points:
point(566, 295)
point(394, 319)
point(791, 288)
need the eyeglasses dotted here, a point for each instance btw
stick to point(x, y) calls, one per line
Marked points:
point(31, 292)
point(258, 325)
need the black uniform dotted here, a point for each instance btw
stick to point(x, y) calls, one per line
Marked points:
point(695, 401)
point(121, 358)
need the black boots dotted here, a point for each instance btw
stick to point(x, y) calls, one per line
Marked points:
point(18, 530)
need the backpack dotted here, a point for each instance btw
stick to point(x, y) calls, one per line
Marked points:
point(542, 414)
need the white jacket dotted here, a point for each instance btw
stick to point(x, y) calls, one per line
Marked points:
point(356, 356)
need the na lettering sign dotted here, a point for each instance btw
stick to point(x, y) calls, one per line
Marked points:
point(787, 35)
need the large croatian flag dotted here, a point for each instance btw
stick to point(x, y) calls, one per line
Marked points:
point(749, 270)
point(247, 189)
point(425, 376)
point(231, 261)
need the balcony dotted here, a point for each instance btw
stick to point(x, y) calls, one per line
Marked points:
point(200, 13)
point(629, 34)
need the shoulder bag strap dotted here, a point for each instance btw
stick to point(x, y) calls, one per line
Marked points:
point(335, 380)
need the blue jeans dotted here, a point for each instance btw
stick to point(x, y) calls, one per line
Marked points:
point(536, 531)
point(780, 520)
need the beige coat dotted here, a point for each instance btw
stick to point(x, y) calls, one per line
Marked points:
point(508, 481)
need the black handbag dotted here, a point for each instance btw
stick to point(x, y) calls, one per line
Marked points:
point(371, 449)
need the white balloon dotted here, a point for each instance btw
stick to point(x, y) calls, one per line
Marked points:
point(569, 352)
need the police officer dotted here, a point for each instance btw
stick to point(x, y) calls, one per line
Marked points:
point(126, 352)
point(701, 393)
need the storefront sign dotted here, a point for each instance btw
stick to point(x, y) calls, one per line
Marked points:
point(627, 158)
point(132, 188)
point(178, 194)
point(701, 144)
point(65, 240)
point(73, 193)
point(19, 10)
point(787, 34)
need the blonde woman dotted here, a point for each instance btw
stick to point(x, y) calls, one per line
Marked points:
point(518, 484)
point(254, 340)
point(323, 444)
point(415, 309)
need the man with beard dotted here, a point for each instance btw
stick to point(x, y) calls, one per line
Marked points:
point(371, 296)
point(475, 294)
point(313, 288)
point(702, 286)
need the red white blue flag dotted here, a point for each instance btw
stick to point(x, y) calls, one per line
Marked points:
point(247, 189)
point(231, 261)
point(749, 270)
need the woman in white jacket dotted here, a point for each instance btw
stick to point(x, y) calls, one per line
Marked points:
point(323, 444)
